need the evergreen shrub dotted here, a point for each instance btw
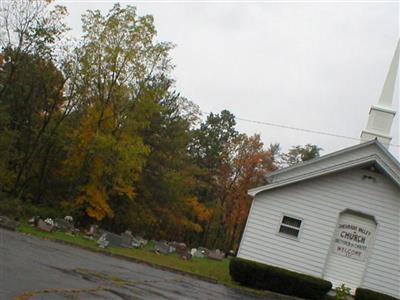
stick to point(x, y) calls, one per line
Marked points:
point(365, 294)
point(262, 276)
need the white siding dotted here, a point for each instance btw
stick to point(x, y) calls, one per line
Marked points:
point(318, 202)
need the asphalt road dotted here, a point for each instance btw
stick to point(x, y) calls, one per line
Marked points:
point(40, 269)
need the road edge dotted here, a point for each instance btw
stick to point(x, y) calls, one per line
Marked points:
point(258, 293)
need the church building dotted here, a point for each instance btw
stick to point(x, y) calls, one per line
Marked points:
point(335, 217)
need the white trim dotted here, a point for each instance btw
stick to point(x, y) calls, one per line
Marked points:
point(376, 133)
point(245, 228)
point(337, 153)
point(317, 159)
point(388, 154)
point(370, 248)
point(288, 236)
point(370, 251)
point(329, 170)
point(383, 109)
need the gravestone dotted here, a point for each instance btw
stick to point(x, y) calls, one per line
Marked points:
point(69, 219)
point(172, 249)
point(63, 225)
point(7, 223)
point(93, 231)
point(179, 247)
point(186, 255)
point(216, 254)
point(127, 239)
point(49, 221)
point(138, 241)
point(201, 252)
point(102, 241)
point(204, 250)
point(42, 225)
point(114, 239)
point(34, 221)
point(110, 239)
point(161, 247)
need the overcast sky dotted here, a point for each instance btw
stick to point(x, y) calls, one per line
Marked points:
point(317, 66)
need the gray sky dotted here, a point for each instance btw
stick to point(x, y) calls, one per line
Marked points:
point(317, 66)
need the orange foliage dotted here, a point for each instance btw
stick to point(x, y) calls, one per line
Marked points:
point(246, 170)
point(96, 197)
point(203, 214)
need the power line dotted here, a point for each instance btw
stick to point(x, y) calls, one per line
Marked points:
point(304, 130)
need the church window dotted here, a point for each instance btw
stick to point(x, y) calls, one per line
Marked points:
point(290, 226)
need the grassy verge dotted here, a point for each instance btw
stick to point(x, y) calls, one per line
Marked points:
point(217, 271)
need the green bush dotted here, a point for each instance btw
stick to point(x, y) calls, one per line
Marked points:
point(261, 276)
point(12, 207)
point(365, 294)
point(342, 292)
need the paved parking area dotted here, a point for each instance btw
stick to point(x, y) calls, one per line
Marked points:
point(41, 269)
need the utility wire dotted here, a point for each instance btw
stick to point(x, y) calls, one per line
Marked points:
point(303, 129)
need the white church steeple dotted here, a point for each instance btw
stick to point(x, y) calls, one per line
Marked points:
point(381, 115)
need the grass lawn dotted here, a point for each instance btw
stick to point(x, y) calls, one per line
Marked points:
point(217, 270)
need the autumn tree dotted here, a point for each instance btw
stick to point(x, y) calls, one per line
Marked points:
point(118, 65)
point(246, 168)
point(249, 168)
point(231, 163)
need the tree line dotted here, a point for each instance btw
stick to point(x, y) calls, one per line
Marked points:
point(94, 128)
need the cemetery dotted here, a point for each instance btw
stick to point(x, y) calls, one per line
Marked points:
point(201, 262)
point(105, 239)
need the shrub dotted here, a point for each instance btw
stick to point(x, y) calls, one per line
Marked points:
point(342, 292)
point(13, 207)
point(261, 276)
point(365, 294)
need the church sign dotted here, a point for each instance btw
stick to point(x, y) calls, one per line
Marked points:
point(352, 241)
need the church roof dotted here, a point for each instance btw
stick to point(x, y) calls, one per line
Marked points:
point(365, 154)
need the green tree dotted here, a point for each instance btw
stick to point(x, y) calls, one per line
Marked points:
point(117, 65)
point(276, 155)
point(298, 154)
point(32, 110)
point(168, 181)
point(210, 149)
point(31, 93)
